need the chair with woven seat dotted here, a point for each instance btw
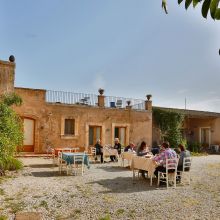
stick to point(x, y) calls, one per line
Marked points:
point(169, 176)
point(93, 154)
point(61, 163)
point(185, 171)
point(79, 163)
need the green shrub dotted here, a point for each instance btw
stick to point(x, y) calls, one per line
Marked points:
point(11, 133)
point(3, 217)
point(10, 163)
point(194, 147)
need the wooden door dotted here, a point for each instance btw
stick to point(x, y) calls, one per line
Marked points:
point(29, 128)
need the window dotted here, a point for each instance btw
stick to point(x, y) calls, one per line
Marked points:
point(69, 127)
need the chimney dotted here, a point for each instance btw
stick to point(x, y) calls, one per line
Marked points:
point(7, 75)
point(148, 103)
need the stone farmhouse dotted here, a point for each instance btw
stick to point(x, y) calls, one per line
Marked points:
point(63, 119)
point(66, 119)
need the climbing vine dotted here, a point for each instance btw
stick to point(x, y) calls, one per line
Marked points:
point(170, 123)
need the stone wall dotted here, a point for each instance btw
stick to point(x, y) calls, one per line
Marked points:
point(6, 76)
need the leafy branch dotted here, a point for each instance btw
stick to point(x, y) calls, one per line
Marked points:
point(207, 6)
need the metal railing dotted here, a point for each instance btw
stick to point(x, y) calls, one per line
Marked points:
point(71, 98)
point(92, 100)
point(121, 102)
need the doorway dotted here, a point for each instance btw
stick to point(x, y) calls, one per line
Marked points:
point(120, 132)
point(205, 136)
point(94, 134)
point(29, 129)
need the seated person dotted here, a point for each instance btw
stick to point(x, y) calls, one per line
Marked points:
point(166, 153)
point(155, 150)
point(130, 147)
point(99, 149)
point(141, 151)
point(118, 147)
point(183, 153)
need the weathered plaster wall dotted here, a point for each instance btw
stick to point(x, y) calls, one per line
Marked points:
point(48, 117)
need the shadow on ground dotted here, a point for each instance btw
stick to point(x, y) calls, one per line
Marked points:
point(125, 185)
point(114, 169)
point(41, 165)
point(47, 174)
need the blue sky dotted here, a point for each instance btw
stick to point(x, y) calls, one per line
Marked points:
point(128, 47)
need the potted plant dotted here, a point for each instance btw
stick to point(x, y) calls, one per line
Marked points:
point(148, 96)
point(128, 102)
point(101, 91)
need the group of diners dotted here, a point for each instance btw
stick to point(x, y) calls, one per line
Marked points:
point(99, 149)
point(159, 154)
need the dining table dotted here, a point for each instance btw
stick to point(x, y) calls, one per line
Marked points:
point(69, 158)
point(127, 155)
point(144, 163)
point(109, 151)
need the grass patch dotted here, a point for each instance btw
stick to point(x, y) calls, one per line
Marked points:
point(197, 154)
point(36, 197)
point(86, 191)
point(131, 213)
point(44, 204)
point(189, 202)
point(15, 206)
point(106, 217)
point(2, 193)
point(9, 199)
point(108, 199)
point(74, 215)
point(72, 195)
point(120, 212)
point(66, 190)
point(3, 217)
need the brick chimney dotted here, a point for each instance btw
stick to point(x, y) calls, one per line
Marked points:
point(101, 98)
point(148, 103)
point(7, 75)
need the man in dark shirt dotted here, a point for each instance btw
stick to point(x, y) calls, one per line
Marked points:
point(130, 147)
point(118, 147)
point(99, 149)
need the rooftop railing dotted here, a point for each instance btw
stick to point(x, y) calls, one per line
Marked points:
point(92, 100)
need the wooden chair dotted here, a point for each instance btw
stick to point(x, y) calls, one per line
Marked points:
point(61, 163)
point(169, 176)
point(93, 155)
point(78, 164)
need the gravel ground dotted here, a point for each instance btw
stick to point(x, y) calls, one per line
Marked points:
point(107, 191)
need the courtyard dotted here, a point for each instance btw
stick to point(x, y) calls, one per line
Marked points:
point(107, 191)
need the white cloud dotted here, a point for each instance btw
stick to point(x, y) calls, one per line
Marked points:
point(182, 91)
point(207, 105)
point(212, 92)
